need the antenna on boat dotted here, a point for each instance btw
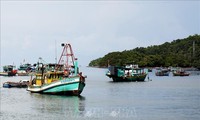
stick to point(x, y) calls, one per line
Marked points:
point(55, 52)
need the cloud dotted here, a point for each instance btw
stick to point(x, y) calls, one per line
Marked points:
point(36, 29)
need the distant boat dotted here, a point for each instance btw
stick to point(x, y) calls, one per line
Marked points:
point(180, 72)
point(24, 69)
point(20, 84)
point(150, 70)
point(8, 70)
point(127, 73)
point(162, 72)
point(66, 79)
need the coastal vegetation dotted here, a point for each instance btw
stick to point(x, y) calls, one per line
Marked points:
point(178, 53)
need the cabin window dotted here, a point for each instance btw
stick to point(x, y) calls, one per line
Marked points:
point(58, 76)
point(49, 76)
point(39, 77)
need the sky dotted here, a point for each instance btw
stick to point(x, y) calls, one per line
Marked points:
point(33, 29)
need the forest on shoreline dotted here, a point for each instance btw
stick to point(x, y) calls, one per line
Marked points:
point(178, 53)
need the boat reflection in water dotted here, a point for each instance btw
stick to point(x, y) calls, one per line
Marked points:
point(66, 106)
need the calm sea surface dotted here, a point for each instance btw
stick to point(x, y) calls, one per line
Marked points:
point(163, 98)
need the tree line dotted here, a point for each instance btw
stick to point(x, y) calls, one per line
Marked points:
point(178, 53)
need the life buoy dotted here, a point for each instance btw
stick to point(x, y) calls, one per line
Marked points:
point(66, 73)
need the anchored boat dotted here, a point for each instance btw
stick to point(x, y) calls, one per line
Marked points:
point(127, 73)
point(20, 84)
point(162, 72)
point(24, 69)
point(180, 72)
point(65, 79)
point(8, 70)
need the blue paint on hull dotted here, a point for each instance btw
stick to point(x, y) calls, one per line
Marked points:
point(62, 88)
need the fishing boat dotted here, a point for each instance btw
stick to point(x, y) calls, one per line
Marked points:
point(180, 72)
point(162, 72)
point(24, 69)
point(8, 70)
point(65, 79)
point(127, 73)
point(20, 84)
point(150, 69)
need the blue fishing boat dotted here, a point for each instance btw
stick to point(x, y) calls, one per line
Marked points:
point(162, 72)
point(127, 73)
point(20, 84)
point(24, 69)
point(65, 79)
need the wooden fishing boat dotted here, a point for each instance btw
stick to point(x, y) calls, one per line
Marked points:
point(24, 69)
point(128, 73)
point(8, 70)
point(180, 72)
point(20, 84)
point(162, 72)
point(66, 79)
point(57, 83)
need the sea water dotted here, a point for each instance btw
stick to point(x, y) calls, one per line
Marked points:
point(159, 98)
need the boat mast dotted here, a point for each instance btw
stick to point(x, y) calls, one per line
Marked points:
point(55, 52)
point(67, 53)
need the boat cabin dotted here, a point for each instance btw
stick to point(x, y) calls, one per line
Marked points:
point(123, 71)
point(48, 77)
point(53, 76)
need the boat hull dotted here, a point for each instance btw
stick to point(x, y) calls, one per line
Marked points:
point(71, 86)
point(177, 74)
point(162, 74)
point(6, 85)
point(15, 84)
point(7, 74)
point(140, 78)
point(22, 74)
